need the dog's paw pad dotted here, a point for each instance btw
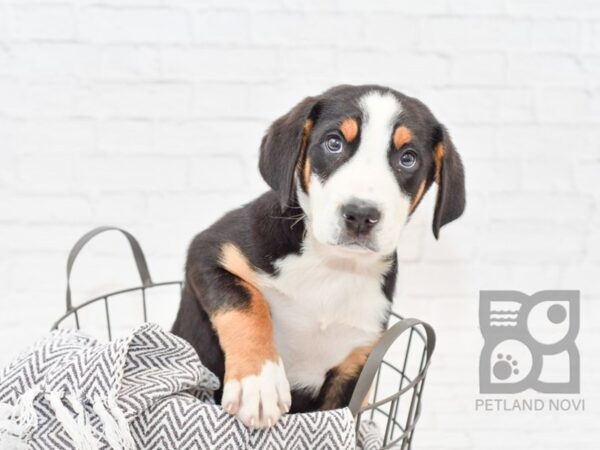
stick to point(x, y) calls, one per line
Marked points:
point(259, 400)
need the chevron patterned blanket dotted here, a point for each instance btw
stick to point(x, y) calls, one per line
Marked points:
point(148, 390)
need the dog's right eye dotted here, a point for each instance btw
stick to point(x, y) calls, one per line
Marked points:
point(334, 144)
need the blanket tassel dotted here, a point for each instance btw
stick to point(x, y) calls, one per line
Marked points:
point(116, 428)
point(77, 431)
point(17, 420)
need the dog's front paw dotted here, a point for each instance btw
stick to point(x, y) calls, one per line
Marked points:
point(258, 400)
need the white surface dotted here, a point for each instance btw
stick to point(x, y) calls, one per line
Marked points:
point(148, 114)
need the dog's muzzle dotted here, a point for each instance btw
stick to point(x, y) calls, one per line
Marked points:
point(358, 219)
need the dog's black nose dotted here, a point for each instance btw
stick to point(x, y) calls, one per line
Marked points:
point(360, 216)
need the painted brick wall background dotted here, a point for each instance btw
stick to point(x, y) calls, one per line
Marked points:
point(147, 114)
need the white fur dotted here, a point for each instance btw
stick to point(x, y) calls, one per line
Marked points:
point(323, 306)
point(366, 176)
point(259, 400)
point(328, 300)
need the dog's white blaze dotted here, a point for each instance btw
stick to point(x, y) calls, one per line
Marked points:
point(366, 176)
point(329, 300)
point(322, 308)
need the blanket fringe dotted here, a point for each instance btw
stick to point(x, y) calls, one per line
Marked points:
point(84, 425)
point(119, 415)
point(79, 436)
point(17, 420)
point(116, 428)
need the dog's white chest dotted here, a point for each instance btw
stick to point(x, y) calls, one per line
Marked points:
point(320, 312)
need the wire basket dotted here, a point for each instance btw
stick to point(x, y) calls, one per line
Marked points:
point(389, 390)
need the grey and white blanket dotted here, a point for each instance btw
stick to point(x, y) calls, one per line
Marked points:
point(146, 391)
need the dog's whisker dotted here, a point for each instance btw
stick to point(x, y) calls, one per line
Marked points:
point(297, 221)
point(292, 207)
point(316, 295)
point(294, 217)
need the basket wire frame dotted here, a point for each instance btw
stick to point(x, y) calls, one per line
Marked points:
point(369, 400)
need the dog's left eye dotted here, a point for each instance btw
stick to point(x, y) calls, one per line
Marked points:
point(334, 144)
point(408, 159)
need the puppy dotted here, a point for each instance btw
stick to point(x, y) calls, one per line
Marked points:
point(285, 297)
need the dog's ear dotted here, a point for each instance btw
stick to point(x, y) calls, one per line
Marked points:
point(450, 177)
point(282, 148)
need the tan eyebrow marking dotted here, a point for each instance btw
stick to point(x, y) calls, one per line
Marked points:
point(402, 136)
point(349, 128)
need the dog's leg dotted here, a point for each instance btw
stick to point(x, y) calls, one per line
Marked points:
point(341, 380)
point(255, 387)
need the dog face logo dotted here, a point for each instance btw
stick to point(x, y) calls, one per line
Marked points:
point(358, 159)
point(529, 342)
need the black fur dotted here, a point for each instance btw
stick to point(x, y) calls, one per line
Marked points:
point(269, 228)
point(450, 201)
point(263, 233)
point(280, 149)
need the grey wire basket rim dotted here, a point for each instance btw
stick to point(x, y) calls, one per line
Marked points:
point(368, 376)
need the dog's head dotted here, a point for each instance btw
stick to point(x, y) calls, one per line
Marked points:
point(358, 160)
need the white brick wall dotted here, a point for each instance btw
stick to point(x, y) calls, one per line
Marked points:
point(148, 114)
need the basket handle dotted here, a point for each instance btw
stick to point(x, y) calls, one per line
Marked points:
point(138, 254)
point(367, 375)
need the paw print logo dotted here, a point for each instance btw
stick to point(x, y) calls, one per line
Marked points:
point(529, 342)
point(505, 367)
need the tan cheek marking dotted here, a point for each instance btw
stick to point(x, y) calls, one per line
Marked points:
point(303, 156)
point(438, 157)
point(402, 136)
point(307, 129)
point(349, 128)
point(234, 261)
point(306, 172)
point(417, 197)
point(349, 368)
point(246, 337)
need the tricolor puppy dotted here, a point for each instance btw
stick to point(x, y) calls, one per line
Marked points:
point(285, 296)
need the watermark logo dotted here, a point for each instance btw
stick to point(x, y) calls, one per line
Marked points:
point(529, 342)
